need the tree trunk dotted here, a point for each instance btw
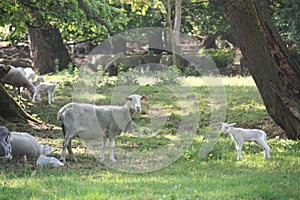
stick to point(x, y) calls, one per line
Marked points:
point(177, 25)
point(276, 73)
point(47, 49)
point(10, 110)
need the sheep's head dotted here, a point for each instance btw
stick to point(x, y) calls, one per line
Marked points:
point(134, 102)
point(5, 142)
point(226, 126)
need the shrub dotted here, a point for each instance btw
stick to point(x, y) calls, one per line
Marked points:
point(222, 57)
point(167, 77)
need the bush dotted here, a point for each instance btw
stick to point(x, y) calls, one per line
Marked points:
point(222, 57)
point(167, 77)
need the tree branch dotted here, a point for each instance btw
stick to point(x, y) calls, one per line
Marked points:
point(92, 15)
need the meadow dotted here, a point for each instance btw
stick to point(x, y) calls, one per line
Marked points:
point(165, 163)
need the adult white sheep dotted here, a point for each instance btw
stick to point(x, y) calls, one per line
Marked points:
point(239, 135)
point(29, 73)
point(5, 142)
point(16, 78)
point(92, 122)
point(24, 144)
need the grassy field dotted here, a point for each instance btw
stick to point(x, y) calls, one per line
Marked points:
point(217, 175)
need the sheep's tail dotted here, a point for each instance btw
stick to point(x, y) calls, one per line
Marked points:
point(62, 110)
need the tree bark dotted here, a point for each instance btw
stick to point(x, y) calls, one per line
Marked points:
point(276, 73)
point(47, 49)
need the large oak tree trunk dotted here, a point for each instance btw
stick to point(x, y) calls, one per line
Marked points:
point(9, 109)
point(276, 73)
point(47, 49)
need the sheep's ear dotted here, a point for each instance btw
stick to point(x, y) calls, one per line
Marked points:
point(144, 97)
point(232, 124)
point(127, 98)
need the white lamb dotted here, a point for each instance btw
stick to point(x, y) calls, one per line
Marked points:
point(16, 78)
point(239, 135)
point(43, 88)
point(91, 122)
point(38, 81)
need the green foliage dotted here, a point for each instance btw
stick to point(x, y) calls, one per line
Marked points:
point(128, 77)
point(222, 57)
point(286, 17)
point(167, 77)
point(191, 71)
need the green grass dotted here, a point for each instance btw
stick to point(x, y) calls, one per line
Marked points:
point(215, 176)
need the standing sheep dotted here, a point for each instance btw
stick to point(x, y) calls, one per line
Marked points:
point(239, 135)
point(16, 78)
point(91, 122)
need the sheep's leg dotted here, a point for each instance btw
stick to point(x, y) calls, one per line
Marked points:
point(69, 147)
point(65, 145)
point(34, 96)
point(112, 145)
point(49, 97)
point(239, 146)
point(265, 146)
point(103, 148)
point(52, 96)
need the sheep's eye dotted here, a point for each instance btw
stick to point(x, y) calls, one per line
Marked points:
point(130, 98)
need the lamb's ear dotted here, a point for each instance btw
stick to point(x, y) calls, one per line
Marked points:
point(127, 98)
point(144, 97)
point(233, 124)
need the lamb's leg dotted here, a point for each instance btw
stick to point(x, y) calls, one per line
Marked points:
point(239, 146)
point(261, 142)
point(52, 96)
point(34, 96)
point(112, 145)
point(49, 97)
point(103, 148)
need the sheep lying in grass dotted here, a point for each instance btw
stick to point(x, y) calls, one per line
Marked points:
point(5, 142)
point(24, 144)
point(91, 122)
point(239, 135)
point(50, 88)
point(16, 78)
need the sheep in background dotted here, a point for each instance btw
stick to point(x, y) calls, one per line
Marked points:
point(16, 78)
point(43, 88)
point(5, 142)
point(38, 81)
point(91, 122)
point(239, 135)
point(24, 144)
point(29, 73)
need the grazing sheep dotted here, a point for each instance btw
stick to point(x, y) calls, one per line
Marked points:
point(16, 78)
point(239, 135)
point(5, 142)
point(91, 122)
point(50, 88)
point(24, 144)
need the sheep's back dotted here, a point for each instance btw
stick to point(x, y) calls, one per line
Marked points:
point(25, 144)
